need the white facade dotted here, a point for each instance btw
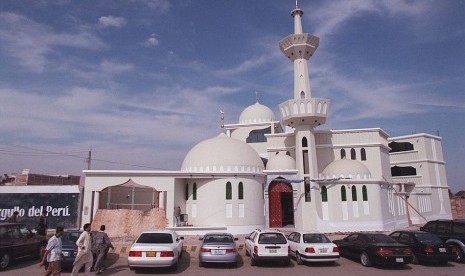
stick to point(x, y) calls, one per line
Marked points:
point(270, 173)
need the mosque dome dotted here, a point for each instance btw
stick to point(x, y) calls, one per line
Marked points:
point(222, 154)
point(256, 113)
point(347, 169)
point(281, 162)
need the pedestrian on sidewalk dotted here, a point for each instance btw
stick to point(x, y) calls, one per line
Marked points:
point(101, 243)
point(53, 254)
point(84, 256)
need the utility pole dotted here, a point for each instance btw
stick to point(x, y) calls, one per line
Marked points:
point(89, 159)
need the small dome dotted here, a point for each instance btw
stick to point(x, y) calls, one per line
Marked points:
point(222, 154)
point(280, 162)
point(347, 169)
point(256, 113)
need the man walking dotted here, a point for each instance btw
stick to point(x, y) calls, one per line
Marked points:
point(13, 218)
point(101, 243)
point(42, 226)
point(53, 254)
point(84, 256)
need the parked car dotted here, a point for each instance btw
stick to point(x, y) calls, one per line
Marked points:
point(218, 248)
point(312, 247)
point(69, 247)
point(374, 248)
point(18, 241)
point(450, 231)
point(156, 249)
point(267, 245)
point(426, 247)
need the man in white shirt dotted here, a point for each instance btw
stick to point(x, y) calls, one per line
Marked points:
point(84, 256)
point(53, 254)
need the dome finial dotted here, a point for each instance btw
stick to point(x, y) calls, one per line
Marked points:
point(257, 97)
point(222, 118)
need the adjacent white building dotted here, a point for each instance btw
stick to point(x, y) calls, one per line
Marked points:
point(263, 172)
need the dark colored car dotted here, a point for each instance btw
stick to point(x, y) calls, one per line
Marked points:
point(69, 247)
point(18, 241)
point(374, 248)
point(450, 231)
point(426, 247)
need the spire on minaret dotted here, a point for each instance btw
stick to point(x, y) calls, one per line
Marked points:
point(297, 14)
point(222, 118)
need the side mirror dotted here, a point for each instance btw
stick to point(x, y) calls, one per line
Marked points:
point(247, 238)
point(422, 228)
point(181, 238)
point(201, 238)
point(236, 239)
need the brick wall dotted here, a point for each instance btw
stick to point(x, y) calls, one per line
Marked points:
point(125, 225)
point(458, 207)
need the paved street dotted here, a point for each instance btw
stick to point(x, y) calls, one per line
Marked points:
point(117, 265)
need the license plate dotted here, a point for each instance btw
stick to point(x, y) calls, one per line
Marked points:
point(65, 253)
point(399, 260)
point(441, 249)
point(218, 252)
point(273, 251)
point(323, 250)
point(150, 254)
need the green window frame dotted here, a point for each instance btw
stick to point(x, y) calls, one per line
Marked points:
point(228, 190)
point(240, 191)
point(354, 193)
point(324, 194)
point(365, 193)
point(343, 194)
point(194, 191)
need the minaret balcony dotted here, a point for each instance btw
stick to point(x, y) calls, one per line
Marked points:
point(311, 112)
point(296, 46)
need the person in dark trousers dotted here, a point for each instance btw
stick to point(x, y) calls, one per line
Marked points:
point(53, 254)
point(13, 218)
point(42, 226)
point(101, 243)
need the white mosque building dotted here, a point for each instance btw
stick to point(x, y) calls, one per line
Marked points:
point(267, 173)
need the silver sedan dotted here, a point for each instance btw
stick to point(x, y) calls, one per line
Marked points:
point(218, 248)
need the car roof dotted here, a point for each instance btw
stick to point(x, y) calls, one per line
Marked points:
point(303, 232)
point(159, 231)
point(11, 223)
point(219, 233)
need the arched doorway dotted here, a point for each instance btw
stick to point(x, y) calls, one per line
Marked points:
point(281, 204)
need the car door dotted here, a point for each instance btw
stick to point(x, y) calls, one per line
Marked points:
point(292, 242)
point(249, 242)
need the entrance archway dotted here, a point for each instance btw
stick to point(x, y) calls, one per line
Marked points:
point(281, 204)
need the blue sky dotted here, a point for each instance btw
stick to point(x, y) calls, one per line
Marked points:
point(142, 81)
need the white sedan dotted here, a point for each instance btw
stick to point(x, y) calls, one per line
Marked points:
point(156, 249)
point(312, 247)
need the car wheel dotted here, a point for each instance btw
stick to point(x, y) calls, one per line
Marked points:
point(247, 252)
point(253, 262)
point(365, 259)
point(287, 262)
point(5, 261)
point(132, 268)
point(298, 259)
point(460, 256)
point(175, 266)
point(415, 260)
point(201, 264)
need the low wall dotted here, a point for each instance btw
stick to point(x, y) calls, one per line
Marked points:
point(458, 207)
point(125, 225)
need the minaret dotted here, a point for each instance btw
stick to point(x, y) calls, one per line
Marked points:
point(303, 113)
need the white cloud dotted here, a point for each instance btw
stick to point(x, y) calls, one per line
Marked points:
point(111, 21)
point(162, 6)
point(152, 41)
point(32, 45)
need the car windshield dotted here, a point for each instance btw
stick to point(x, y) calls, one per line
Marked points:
point(155, 238)
point(380, 238)
point(218, 239)
point(70, 237)
point(427, 238)
point(315, 238)
point(272, 238)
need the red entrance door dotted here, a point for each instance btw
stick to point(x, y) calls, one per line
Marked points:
point(281, 206)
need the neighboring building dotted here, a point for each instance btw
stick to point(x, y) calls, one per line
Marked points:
point(269, 173)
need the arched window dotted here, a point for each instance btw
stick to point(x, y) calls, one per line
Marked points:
point(302, 94)
point(324, 194)
point(228, 190)
point(353, 156)
point(304, 142)
point(186, 192)
point(343, 194)
point(240, 191)
point(194, 192)
point(364, 193)
point(343, 154)
point(363, 154)
point(354, 193)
